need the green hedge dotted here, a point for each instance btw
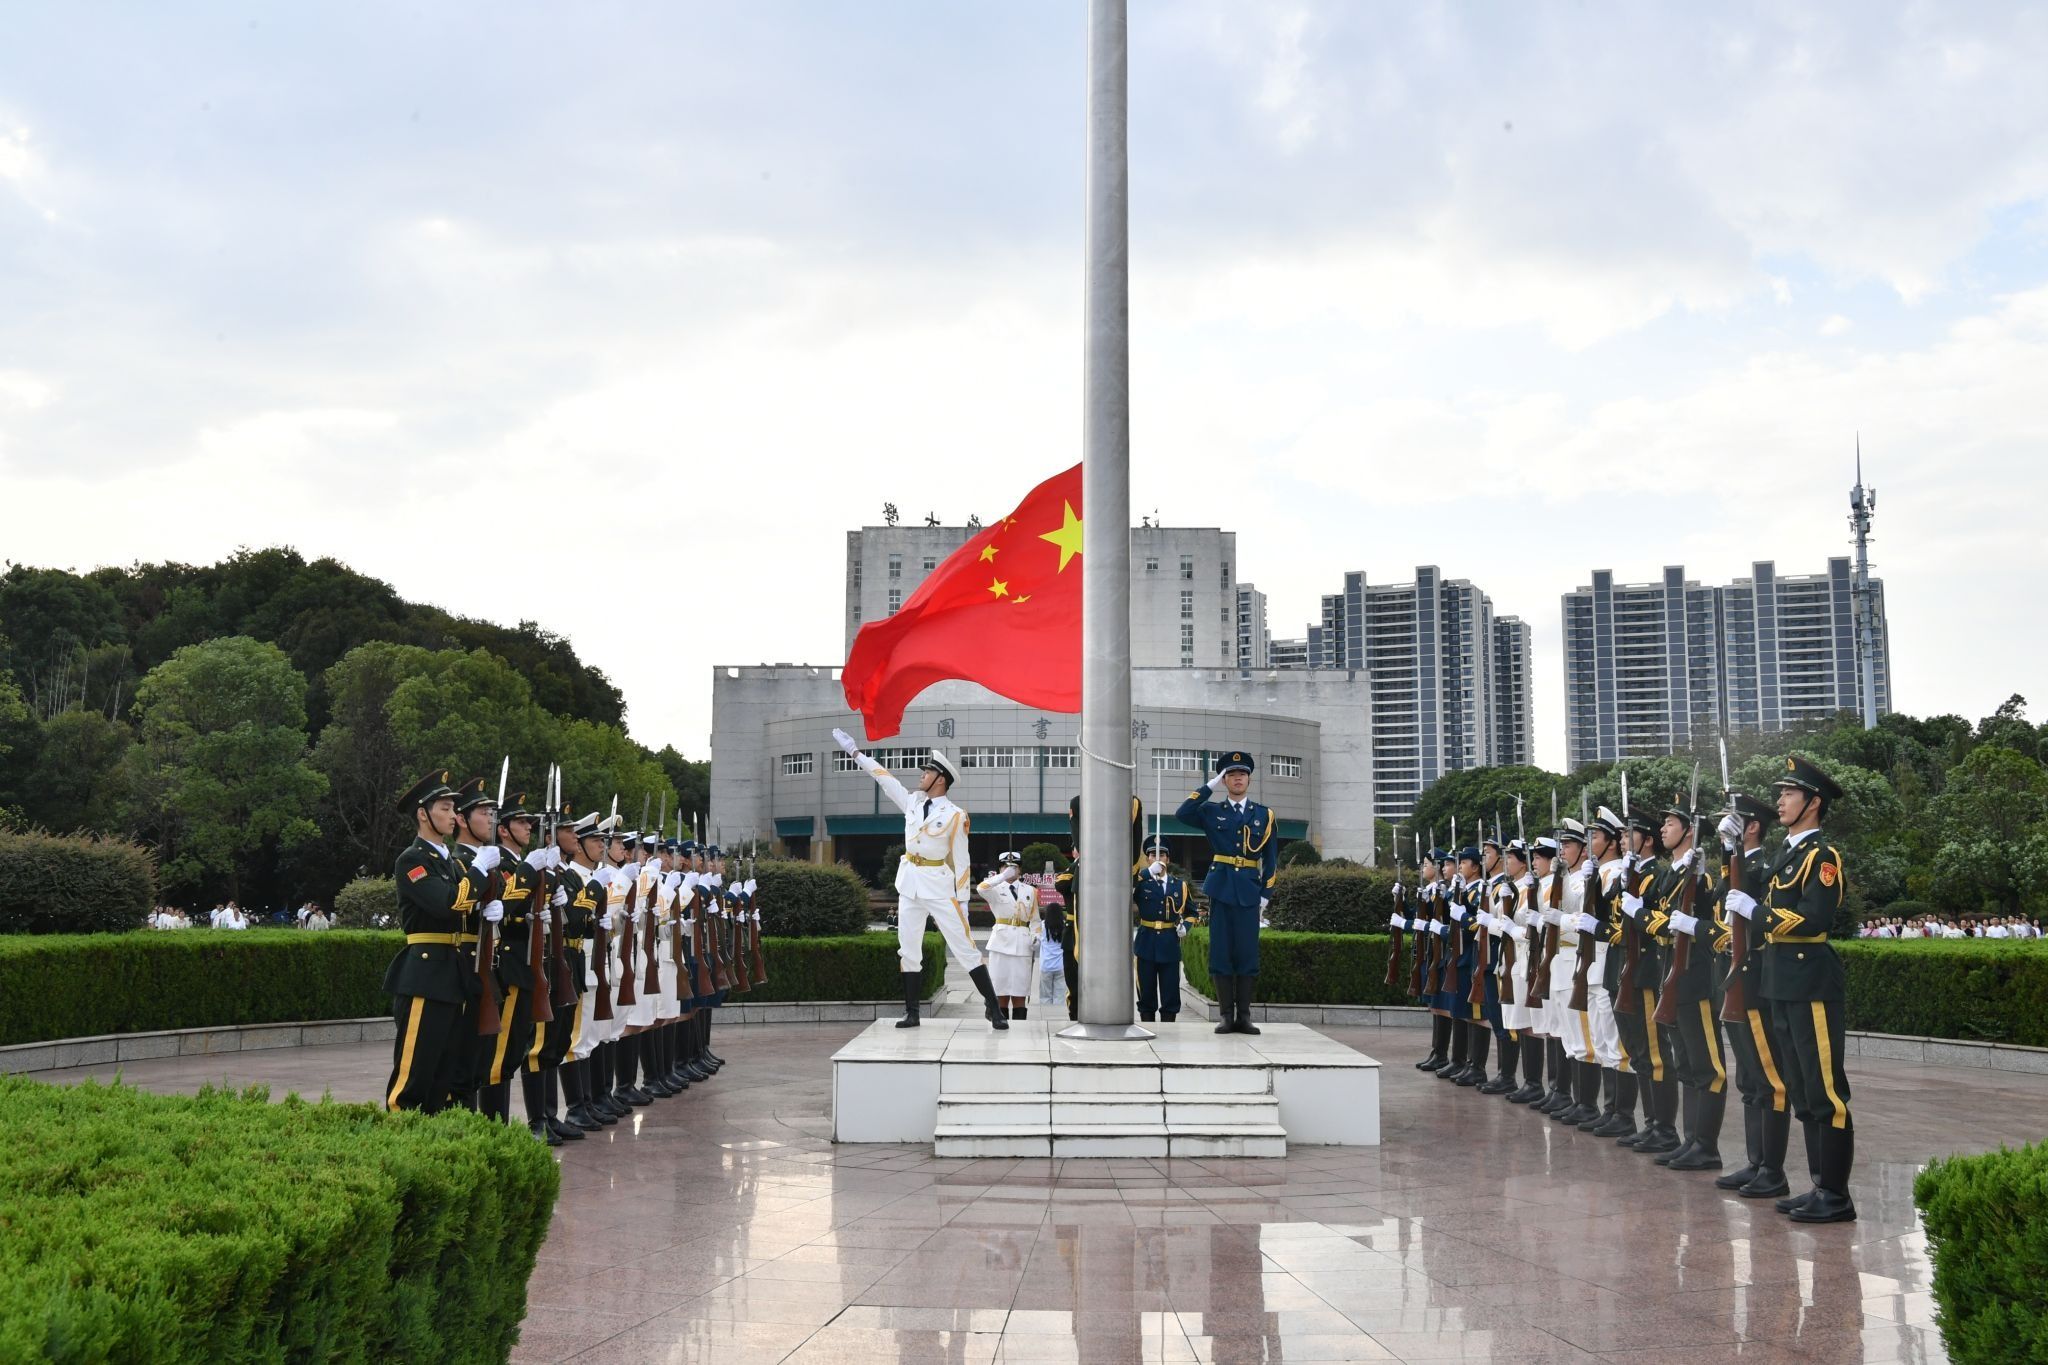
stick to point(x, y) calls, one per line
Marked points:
point(1985, 990)
point(222, 1227)
point(73, 884)
point(1310, 969)
point(357, 905)
point(804, 900)
point(1987, 1224)
point(1334, 900)
point(83, 985)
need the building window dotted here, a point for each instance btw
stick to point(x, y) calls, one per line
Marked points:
point(1176, 760)
point(1187, 567)
point(1187, 645)
point(1224, 577)
point(843, 763)
point(1187, 604)
point(895, 600)
point(993, 756)
point(895, 568)
point(856, 613)
point(1282, 765)
point(930, 562)
point(1151, 563)
point(1062, 756)
point(798, 765)
point(856, 577)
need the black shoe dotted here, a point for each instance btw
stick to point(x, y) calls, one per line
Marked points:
point(913, 997)
point(1736, 1178)
point(1499, 1085)
point(1433, 1062)
point(1825, 1206)
point(1685, 1148)
point(1616, 1125)
point(568, 1132)
point(1242, 998)
point(1796, 1202)
point(1226, 990)
point(1145, 1017)
point(991, 1008)
point(1765, 1184)
point(1574, 1116)
point(542, 1133)
point(581, 1116)
point(697, 1071)
point(1698, 1159)
point(1659, 1141)
point(1528, 1094)
point(1593, 1120)
point(1471, 1076)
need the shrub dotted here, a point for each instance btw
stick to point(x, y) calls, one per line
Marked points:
point(222, 1227)
point(1908, 909)
point(1989, 990)
point(73, 884)
point(1037, 855)
point(1300, 853)
point(803, 900)
point(1333, 900)
point(357, 905)
point(855, 967)
point(1310, 969)
point(885, 875)
point(1987, 1224)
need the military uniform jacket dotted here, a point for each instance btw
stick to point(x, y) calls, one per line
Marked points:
point(1624, 926)
point(1802, 901)
point(577, 896)
point(1015, 907)
point(1752, 876)
point(1244, 859)
point(521, 893)
point(1160, 900)
point(1703, 972)
point(437, 900)
point(935, 863)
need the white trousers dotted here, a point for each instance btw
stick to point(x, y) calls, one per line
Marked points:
point(1590, 1035)
point(951, 918)
point(594, 1030)
point(1519, 1016)
point(669, 1006)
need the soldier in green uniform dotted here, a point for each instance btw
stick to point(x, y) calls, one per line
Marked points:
point(1759, 1057)
point(1648, 1051)
point(516, 886)
point(427, 982)
point(1804, 981)
point(1696, 1037)
point(476, 849)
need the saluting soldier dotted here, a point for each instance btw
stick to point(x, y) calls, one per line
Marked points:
point(1759, 1064)
point(933, 877)
point(476, 834)
point(1805, 983)
point(427, 981)
point(1164, 905)
point(1243, 862)
point(1013, 942)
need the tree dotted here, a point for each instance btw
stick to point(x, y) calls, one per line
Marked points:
point(1477, 794)
point(599, 761)
point(361, 757)
point(48, 618)
point(692, 781)
point(1995, 793)
point(81, 780)
point(20, 738)
point(221, 770)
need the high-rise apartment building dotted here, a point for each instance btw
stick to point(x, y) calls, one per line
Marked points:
point(1252, 635)
point(1513, 713)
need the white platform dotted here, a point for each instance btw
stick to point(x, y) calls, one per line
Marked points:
point(971, 1091)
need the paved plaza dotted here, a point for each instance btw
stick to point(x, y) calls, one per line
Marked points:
point(724, 1227)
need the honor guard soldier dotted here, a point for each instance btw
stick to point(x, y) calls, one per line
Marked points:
point(599, 1025)
point(1429, 944)
point(428, 984)
point(1513, 910)
point(518, 891)
point(574, 900)
point(1546, 1027)
point(1013, 942)
point(1244, 858)
point(1804, 981)
point(1575, 1027)
point(1759, 1058)
point(933, 877)
point(1482, 1019)
point(1601, 917)
point(476, 832)
point(1646, 1050)
point(1164, 905)
point(1693, 1043)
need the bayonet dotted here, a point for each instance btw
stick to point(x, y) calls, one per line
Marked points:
point(504, 776)
point(1624, 795)
point(1521, 830)
point(1727, 788)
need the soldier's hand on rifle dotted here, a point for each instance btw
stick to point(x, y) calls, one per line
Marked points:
point(1181, 930)
point(1631, 905)
point(494, 912)
point(561, 895)
point(487, 859)
point(604, 921)
point(1156, 868)
point(1740, 903)
point(1588, 924)
point(1396, 922)
point(1684, 924)
point(1731, 829)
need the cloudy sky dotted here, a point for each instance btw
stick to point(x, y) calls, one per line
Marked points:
point(1515, 290)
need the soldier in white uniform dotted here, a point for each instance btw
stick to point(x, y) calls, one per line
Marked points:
point(1575, 1027)
point(1013, 943)
point(933, 878)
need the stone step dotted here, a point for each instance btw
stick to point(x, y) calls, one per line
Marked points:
point(1188, 1110)
point(1189, 1145)
point(974, 1143)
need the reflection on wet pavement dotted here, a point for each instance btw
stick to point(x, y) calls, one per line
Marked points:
point(726, 1228)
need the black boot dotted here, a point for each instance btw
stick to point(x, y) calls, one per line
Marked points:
point(607, 1100)
point(1532, 1072)
point(1812, 1134)
point(1830, 1202)
point(1774, 1131)
point(1559, 1095)
point(1647, 1090)
point(1510, 1055)
point(1242, 998)
point(1024, 1012)
point(1623, 1124)
point(1752, 1149)
point(1586, 1113)
point(1145, 1017)
point(711, 1059)
point(1582, 1098)
point(1439, 1042)
point(650, 1066)
point(1706, 1133)
point(1599, 1081)
point(1663, 1136)
point(913, 992)
point(1226, 987)
point(1482, 1048)
point(990, 1010)
point(536, 1104)
point(626, 1058)
point(550, 1105)
point(1460, 1058)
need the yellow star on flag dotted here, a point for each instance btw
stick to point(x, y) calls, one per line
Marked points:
point(1020, 599)
point(999, 587)
point(988, 554)
point(1067, 537)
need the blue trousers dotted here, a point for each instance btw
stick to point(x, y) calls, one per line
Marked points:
point(1158, 988)
point(1233, 939)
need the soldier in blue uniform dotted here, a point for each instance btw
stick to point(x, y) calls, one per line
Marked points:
point(1805, 983)
point(427, 981)
point(1472, 1019)
point(1244, 860)
point(1164, 908)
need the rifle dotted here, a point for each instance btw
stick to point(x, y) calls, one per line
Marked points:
point(753, 876)
point(1588, 943)
point(742, 974)
point(627, 994)
point(1551, 931)
point(602, 950)
point(540, 1000)
point(1423, 938)
point(650, 949)
point(488, 1021)
point(564, 981)
point(1482, 964)
point(1446, 949)
point(1400, 905)
point(704, 984)
point(1631, 932)
point(1735, 1000)
point(1681, 944)
point(1509, 957)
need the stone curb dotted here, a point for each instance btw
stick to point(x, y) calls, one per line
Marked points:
point(60, 1053)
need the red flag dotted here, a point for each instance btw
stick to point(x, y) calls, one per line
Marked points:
point(1003, 610)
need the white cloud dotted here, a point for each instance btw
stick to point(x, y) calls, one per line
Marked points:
point(1836, 325)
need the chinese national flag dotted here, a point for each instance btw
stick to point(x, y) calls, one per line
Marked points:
point(1003, 610)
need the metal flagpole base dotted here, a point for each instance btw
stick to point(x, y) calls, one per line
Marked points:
point(1107, 1033)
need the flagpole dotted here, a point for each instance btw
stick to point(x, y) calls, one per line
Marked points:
point(1106, 1007)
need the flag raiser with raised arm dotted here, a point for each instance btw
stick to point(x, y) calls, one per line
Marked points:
point(1003, 610)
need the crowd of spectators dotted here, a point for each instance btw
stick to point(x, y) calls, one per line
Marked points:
point(228, 915)
point(1936, 926)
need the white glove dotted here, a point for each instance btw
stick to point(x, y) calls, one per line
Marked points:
point(1686, 860)
point(716, 879)
point(602, 876)
point(1157, 868)
point(1215, 784)
point(494, 912)
point(1525, 882)
point(1010, 871)
point(1457, 881)
point(486, 860)
point(1181, 929)
point(1740, 903)
point(1396, 922)
point(1588, 925)
point(1263, 903)
point(1437, 927)
point(1398, 888)
point(561, 896)
point(1457, 914)
point(1553, 917)
point(1631, 905)
point(1582, 875)
point(538, 859)
point(1684, 924)
point(845, 741)
point(604, 921)
point(1520, 930)
point(1730, 829)
point(690, 880)
point(749, 887)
